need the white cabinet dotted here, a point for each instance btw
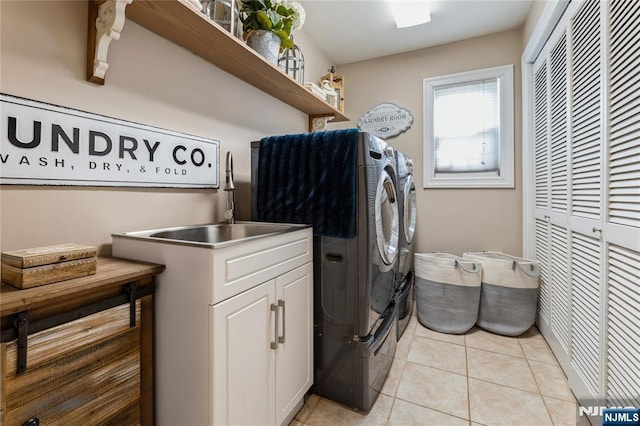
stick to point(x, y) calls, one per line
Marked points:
point(218, 313)
point(267, 365)
point(294, 361)
point(243, 362)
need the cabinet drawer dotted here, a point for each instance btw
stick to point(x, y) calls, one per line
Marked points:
point(87, 368)
point(239, 268)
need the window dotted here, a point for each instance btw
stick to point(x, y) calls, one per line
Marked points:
point(468, 132)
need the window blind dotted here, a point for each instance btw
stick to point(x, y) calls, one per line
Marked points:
point(467, 127)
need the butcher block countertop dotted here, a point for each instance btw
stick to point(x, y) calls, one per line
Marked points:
point(112, 274)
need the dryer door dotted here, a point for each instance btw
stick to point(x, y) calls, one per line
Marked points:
point(387, 222)
point(410, 209)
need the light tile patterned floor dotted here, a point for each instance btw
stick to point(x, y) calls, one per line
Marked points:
point(479, 378)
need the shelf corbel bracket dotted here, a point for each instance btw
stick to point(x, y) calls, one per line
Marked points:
point(319, 124)
point(106, 20)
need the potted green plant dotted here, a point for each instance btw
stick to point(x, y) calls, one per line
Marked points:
point(271, 20)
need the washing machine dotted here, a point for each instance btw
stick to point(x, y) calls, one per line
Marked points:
point(405, 277)
point(355, 312)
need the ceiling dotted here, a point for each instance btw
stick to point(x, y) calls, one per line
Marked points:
point(355, 30)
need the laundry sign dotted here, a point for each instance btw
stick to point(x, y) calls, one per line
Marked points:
point(44, 144)
point(386, 120)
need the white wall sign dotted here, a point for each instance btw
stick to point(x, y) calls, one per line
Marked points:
point(44, 144)
point(386, 120)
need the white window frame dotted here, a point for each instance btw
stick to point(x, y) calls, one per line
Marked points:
point(502, 179)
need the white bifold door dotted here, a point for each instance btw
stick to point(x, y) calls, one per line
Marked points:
point(586, 190)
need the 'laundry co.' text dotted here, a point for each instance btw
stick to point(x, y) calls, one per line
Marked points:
point(46, 144)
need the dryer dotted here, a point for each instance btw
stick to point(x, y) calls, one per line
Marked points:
point(355, 315)
point(408, 215)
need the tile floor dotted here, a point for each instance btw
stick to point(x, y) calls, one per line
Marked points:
point(475, 379)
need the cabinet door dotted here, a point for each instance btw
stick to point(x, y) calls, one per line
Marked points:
point(294, 368)
point(243, 362)
point(80, 372)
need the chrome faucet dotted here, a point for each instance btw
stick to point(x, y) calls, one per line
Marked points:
point(230, 187)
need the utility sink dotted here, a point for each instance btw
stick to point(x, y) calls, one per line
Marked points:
point(215, 322)
point(216, 235)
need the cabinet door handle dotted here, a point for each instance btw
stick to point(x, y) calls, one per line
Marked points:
point(281, 339)
point(274, 344)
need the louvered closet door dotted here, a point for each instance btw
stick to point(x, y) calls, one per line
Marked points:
point(586, 140)
point(560, 314)
point(559, 175)
point(624, 119)
point(622, 229)
point(559, 128)
point(551, 173)
point(585, 219)
point(541, 183)
point(569, 243)
point(623, 358)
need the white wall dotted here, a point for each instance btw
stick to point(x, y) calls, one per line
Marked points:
point(155, 82)
point(316, 63)
point(449, 220)
point(535, 11)
point(151, 81)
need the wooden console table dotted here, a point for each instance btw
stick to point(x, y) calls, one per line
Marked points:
point(80, 351)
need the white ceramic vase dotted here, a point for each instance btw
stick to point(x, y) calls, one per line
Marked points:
point(266, 43)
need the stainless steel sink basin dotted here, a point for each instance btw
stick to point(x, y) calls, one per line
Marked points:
point(215, 235)
point(219, 233)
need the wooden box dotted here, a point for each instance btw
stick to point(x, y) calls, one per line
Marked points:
point(32, 267)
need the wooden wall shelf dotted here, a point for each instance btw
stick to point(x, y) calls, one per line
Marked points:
point(182, 23)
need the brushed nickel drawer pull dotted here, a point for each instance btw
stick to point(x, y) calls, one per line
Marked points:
point(281, 339)
point(274, 344)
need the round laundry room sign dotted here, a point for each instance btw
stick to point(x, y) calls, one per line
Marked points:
point(386, 120)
